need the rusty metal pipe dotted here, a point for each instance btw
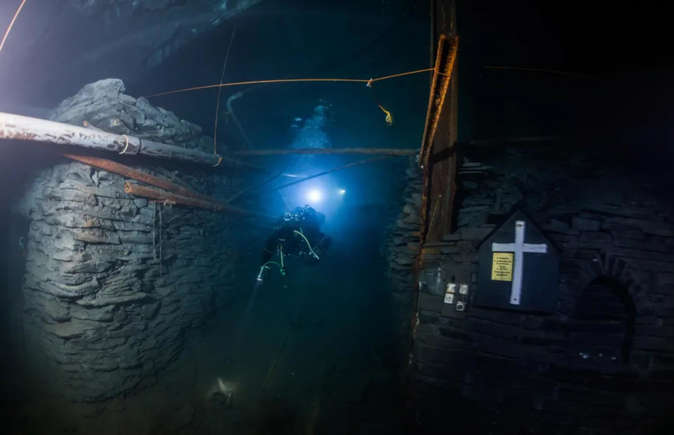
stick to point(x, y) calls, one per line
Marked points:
point(126, 171)
point(173, 198)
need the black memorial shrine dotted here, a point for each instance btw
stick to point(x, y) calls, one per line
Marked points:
point(518, 268)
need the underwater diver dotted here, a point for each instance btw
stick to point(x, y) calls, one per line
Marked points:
point(297, 234)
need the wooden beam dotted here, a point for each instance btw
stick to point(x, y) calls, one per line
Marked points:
point(439, 139)
point(401, 152)
point(41, 130)
point(444, 66)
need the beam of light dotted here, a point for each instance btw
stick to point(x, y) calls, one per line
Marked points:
point(341, 192)
point(339, 168)
point(314, 195)
point(11, 24)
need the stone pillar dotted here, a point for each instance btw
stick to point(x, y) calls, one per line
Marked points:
point(113, 282)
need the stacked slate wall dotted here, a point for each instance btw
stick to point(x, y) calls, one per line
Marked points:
point(514, 372)
point(113, 282)
point(401, 248)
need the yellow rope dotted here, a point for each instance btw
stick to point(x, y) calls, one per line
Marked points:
point(11, 24)
point(257, 82)
point(408, 73)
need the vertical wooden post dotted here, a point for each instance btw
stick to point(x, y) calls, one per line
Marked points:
point(438, 154)
point(438, 148)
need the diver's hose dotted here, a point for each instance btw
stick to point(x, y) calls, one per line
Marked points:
point(282, 267)
point(313, 253)
point(266, 266)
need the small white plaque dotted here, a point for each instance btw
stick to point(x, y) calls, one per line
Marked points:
point(463, 289)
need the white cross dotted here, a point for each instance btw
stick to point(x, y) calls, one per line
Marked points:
point(519, 248)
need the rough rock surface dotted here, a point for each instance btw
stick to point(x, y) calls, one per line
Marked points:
point(155, 29)
point(113, 282)
point(104, 105)
point(401, 250)
point(92, 6)
point(72, 42)
point(121, 7)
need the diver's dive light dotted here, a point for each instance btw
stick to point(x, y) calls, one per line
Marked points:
point(314, 196)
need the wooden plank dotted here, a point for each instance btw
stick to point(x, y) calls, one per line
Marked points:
point(438, 154)
point(438, 151)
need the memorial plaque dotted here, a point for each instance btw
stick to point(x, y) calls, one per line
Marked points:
point(502, 266)
point(518, 268)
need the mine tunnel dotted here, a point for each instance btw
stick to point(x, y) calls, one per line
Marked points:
point(335, 217)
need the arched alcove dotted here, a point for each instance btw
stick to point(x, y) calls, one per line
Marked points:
point(601, 328)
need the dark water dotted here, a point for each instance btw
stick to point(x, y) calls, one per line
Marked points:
point(316, 349)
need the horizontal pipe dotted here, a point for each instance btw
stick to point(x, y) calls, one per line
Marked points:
point(371, 151)
point(168, 197)
point(20, 127)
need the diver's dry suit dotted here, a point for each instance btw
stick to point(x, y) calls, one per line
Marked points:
point(298, 233)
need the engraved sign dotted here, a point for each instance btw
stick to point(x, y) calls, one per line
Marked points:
point(502, 266)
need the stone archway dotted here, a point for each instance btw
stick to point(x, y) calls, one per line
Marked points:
point(601, 329)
